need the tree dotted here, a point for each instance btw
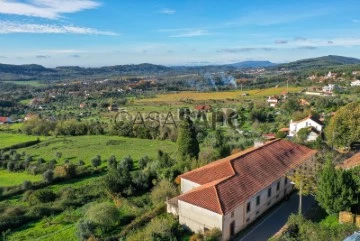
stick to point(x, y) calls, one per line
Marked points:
point(164, 189)
point(48, 176)
point(187, 144)
point(96, 161)
point(336, 183)
point(104, 215)
point(126, 164)
point(343, 129)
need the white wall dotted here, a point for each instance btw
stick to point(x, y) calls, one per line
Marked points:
point(187, 185)
point(295, 127)
point(197, 218)
point(243, 218)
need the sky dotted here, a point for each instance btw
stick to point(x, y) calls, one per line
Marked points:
point(93, 33)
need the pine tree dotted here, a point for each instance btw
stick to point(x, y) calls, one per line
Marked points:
point(336, 189)
point(187, 144)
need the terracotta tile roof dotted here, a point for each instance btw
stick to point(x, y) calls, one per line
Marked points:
point(203, 107)
point(240, 176)
point(354, 161)
point(3, 119)
point(284, 129)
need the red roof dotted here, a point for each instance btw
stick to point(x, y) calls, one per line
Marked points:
point(203, 107)
point(269, 136)
point(351, 162)
point(4, 119)
point(229, 182)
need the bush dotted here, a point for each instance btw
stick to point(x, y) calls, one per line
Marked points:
point(127, 164)
point(48, 176)
point(96, 161)
point(104, 215)
point(67, 170)
point(26, 185)
point(163, 190)
point(41, 196)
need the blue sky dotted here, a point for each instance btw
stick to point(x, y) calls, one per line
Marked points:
point(186, 32)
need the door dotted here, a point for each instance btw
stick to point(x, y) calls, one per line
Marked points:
point(232, 229)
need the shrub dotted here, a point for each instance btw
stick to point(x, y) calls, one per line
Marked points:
point(104, 215)
point(163, 190)
point(41, 196)
point(26, 185)
point(48, 176)
point(96, 161)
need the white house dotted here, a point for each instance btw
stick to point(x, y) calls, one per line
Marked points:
point(273, 101)
point(310, 122)
point(330, 88)
point(231, 193)
point(355, 83)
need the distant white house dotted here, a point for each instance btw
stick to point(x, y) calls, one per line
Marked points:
point(315, 126)
point(355, 83)
point(330, 88)
point(273, 101)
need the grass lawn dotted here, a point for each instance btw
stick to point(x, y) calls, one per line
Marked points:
point(87, 147)
point(16, 178)
point(223, 95)
point(58, 229)
point(7, 139)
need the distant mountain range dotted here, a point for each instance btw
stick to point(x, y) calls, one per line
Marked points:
point(252, 64)
point(33, 71)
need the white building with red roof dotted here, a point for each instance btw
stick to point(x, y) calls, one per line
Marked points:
point(314, 125)
point(231, 193)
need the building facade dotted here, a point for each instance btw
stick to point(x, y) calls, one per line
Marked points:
point(231, 193)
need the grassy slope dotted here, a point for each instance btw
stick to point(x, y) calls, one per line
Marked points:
point(86, 147)
point(11, 179)
point(7, 139)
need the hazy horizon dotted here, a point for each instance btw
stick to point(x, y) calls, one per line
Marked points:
point(92, 33)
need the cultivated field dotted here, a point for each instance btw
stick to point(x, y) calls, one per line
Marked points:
point(252, 94)
point(87, 147)
point(33, 83)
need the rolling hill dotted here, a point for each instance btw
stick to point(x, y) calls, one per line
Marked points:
point(321, 62)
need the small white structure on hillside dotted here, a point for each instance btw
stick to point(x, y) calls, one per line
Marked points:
point(273, 101)
point(330, 88)
point(355, 83)
point(310, 122)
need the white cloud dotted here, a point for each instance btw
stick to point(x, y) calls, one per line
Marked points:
point(192, 33)
point(167, 11)
point(7, 27)
point(50, 9)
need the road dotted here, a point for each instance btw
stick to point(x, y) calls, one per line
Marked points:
point(268, 225)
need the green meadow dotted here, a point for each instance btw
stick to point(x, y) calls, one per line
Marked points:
point(87, 147)
point(8, 139)
point(16, 178)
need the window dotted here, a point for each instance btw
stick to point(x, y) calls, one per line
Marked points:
point(269, 192)
point(248, 207)
point(257, 200)
point(232, 214)
point(286, 181)
point(278, 186)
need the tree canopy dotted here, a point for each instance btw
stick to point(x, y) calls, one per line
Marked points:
point(344, 127)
